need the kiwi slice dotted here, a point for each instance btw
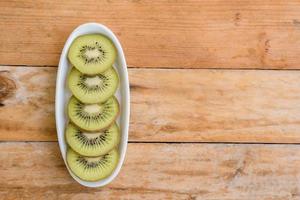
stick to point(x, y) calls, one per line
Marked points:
point(92, 144)
point(93, 117)
point(92, 53)
point(92, 168)
point(93, 89)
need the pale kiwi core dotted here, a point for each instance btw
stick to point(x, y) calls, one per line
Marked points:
point(93, 53)
point(92, 135)
point(93, 108)
point(92, 159)
point(93, 81)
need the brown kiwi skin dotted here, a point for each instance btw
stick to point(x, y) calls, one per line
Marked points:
point(116, 147)
point(101, 128)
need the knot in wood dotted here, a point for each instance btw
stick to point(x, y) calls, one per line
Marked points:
point(7, 87)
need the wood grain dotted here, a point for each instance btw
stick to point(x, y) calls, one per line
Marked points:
point(168, 105)
point(159, 171)
point(181, 34)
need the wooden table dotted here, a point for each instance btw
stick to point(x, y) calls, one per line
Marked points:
point(215, 89)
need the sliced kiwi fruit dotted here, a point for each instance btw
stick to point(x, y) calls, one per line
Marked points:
point(93, 117)
point(92, 168)
point(93, 89)
point(95, 143)
point(92, 53)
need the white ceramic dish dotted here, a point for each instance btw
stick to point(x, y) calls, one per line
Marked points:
point(63, 94)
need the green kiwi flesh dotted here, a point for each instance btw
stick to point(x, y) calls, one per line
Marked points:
point(92, 53)
point(92, 168)
point(93, 89)
point(93, 117)
point(95, 143)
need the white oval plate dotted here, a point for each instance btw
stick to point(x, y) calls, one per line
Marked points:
point(63, 94)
